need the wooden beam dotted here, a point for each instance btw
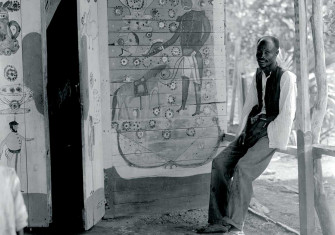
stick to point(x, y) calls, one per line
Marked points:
point(304, 134)
point(50, 9)
point(320, 149)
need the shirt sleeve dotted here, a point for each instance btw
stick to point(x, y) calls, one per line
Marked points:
point(250, 101)
point(280, 128)
point(21, 215)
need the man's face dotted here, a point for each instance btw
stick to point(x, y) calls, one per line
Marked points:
point(15, 127)
point(266, 53)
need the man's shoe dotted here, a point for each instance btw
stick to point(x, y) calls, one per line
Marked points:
point(213, 228)
point(235, 232)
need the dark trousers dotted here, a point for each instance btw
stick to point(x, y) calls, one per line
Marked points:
point(233, 171)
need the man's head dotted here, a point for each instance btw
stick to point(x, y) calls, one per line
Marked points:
point(192, 4)
point(267, 51)
point(13, 125)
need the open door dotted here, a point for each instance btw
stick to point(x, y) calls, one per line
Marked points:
point(91, 118)
point(75, 115)
point(64, 118)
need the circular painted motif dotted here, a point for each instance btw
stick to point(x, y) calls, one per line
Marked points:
point(173, 85)
point(152, 123)
point(161, 24)
point(156, 111)
point(147, 62)
point(171, 13)
point(154, 13)
point(135, 4)
point(190, 131)
point(174, 3)
point(124, 61)
point(171, 99)
point(169, 113)
point(205, 51)
point(148, 34)
point(137, 61)
point(175, 51)
point(173, 27)
point(140, 134)
point(166, 134)
point(126, 126)
point(162, 2)
point(165, 74)
point(10, 73)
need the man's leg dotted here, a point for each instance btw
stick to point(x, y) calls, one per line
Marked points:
point(184, 93)
point(197, 91)
point(248, 168)
point(222, 170)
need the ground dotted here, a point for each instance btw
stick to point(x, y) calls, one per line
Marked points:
point(276, 189)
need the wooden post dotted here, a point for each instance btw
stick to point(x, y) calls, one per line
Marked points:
point(304, 134)
point(319, 110)
point(237, 52)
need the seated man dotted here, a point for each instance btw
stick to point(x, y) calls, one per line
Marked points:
point(267, 119)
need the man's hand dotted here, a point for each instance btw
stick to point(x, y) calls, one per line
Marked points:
point(241, 139)
point(254, 137)
point(21, 232)
point(154, 49)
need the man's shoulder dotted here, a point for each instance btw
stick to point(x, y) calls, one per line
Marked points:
point(289, 75)
point(6, 171)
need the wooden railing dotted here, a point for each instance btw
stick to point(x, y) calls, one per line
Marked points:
point(317, 152)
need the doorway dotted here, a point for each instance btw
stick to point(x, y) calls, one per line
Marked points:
point(65, 118)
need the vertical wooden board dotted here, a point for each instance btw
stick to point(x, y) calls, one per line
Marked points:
point(162, 100)
point(304, 135)
point(90, 83)
point(22, 105)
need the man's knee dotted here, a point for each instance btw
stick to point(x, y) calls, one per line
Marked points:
point(220, 164)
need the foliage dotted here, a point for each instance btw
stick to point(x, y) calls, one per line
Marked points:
point(251, 19)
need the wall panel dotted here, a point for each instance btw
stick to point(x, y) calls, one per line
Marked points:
point(168, 91)
point(24, 139)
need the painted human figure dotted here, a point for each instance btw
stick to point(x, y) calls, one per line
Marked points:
point(193, 30)
point(13, 141)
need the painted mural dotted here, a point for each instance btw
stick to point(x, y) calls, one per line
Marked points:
point(9, 29)
point(14, 95)
point(23, 142)
point(163, 87)
point(90, 85)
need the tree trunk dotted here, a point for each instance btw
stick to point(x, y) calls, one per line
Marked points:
point(325, 216)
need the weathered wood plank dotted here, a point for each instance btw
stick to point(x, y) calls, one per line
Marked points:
point(320, 149)
point(50, 9)
point(305, 158)
point(155, 194)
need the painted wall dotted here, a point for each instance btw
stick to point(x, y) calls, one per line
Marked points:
point(168, 94)
point(24, 139)
point(91, 98)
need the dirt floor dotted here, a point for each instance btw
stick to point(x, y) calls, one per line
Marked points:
point(276, 189)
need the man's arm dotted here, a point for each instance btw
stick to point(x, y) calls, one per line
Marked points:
point(159, 46)
point(2, 145)
point(280, 128)
point(250, 101)
point(207, 29)
point(21, 215)
point(20, 232)
point(174, 38)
